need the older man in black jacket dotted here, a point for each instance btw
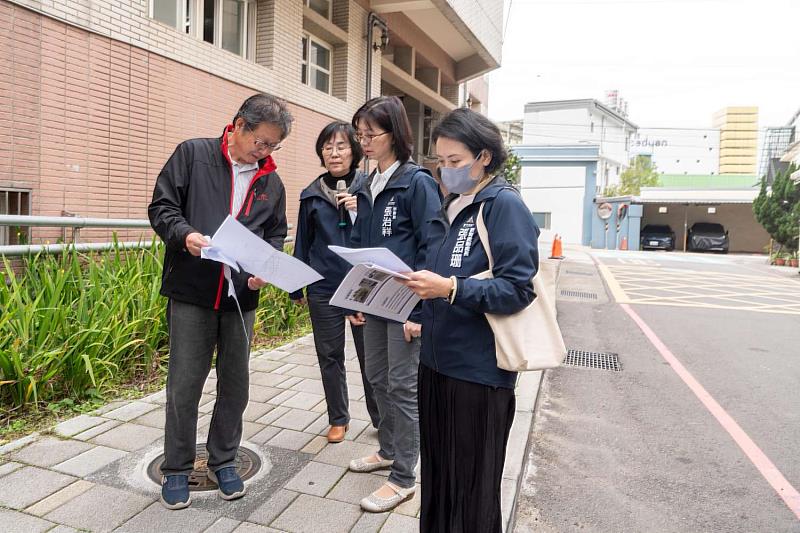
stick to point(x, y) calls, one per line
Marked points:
point(204, 181)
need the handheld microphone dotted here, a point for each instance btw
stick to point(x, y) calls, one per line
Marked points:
point(341, 188)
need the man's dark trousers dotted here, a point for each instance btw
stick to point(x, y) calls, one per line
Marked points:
point(194, 333)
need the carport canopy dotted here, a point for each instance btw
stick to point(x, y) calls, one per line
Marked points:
point(730, 207)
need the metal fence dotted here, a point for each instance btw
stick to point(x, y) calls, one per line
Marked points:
point(76, 223)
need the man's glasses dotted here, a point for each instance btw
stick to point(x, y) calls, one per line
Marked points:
point(367, 138)
point(263, 145)
point(328, 149)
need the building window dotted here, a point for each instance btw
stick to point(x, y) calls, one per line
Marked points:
point(14, 202)
point(229, 24)
point(316, 64)
point(209, 18)
point(542, 219)
point(233, 26)
point(323, 7)
point(166, 11)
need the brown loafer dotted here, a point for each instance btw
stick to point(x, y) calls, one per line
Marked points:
point(336, 433)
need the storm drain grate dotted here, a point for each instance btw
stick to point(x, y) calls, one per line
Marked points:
point(579, 294)
point(248, 463)
point(599, 360)
point(579, 273)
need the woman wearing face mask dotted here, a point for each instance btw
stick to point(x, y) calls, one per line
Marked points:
point(466, 403)
point(325, 218)
point(394, 207)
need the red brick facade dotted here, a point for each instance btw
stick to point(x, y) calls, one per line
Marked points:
point(88, 121)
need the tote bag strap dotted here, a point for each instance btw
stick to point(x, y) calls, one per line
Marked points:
point(484, 236)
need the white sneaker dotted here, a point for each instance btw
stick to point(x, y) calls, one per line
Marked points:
point(376, 504)
point(363, 464)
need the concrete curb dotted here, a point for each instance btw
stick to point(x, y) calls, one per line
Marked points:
point(527, 393)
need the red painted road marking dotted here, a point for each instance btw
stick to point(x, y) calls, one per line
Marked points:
point(770, 472)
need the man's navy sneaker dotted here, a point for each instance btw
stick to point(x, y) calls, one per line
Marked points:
point(175, 491)
point(229, 483)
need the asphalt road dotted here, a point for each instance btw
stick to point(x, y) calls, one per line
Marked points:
point(637, 450)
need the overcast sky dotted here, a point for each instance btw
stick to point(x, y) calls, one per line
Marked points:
point(674, 61)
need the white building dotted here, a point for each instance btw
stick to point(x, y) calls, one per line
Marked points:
point(582, 122)
point(679, 151)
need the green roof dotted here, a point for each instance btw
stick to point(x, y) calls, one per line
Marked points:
point(714, 181)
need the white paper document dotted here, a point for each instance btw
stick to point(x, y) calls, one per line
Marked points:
point(375, 291)
point(378, 257)
point(238, 247)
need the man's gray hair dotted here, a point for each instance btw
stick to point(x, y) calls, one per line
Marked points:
point(261, 108)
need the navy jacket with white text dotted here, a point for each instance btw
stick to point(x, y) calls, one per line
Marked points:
point(398, 217)
point(457, 340)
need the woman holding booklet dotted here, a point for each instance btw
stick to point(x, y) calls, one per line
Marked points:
point(466, 403)
point(325, 220)
point(394, 207)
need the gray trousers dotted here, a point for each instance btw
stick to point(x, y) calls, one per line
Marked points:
point(329, 339)
point(194, 334)
point(392, 366)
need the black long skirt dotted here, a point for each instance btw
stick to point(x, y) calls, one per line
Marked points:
point(464, 430)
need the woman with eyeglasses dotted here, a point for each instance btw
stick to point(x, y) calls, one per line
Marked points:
point(394, 206)
point(325, 219)
point(466, 403)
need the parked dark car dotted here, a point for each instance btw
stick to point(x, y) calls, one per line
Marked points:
point(657, 237)
point(708, 237)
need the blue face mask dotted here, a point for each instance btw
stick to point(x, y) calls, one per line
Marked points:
point(458, 180)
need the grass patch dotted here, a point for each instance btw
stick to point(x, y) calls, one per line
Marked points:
point(78, 331)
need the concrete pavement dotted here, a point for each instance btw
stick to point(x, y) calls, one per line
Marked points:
point(89, 472)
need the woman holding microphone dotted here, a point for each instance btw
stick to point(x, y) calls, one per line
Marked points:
point(325, 219)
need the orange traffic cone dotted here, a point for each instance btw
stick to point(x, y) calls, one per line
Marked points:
point(556, 251)
point(624, 244)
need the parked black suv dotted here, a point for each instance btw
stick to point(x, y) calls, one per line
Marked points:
point(708, 237)
point(657, 237)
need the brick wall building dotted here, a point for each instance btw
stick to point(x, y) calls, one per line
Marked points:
point(94, 96)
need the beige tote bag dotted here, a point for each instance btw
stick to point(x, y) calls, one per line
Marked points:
point(531, 338)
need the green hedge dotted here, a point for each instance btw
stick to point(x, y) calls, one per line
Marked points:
point(76, 325)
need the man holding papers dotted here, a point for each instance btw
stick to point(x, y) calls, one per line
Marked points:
point(202, 183)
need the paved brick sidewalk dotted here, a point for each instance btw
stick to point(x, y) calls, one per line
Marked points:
point(89, 472)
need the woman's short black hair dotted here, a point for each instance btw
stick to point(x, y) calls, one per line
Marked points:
point(474, 131)
point(388, 113)
point(327, 134)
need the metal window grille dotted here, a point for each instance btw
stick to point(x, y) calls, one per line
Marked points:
point(14, 202)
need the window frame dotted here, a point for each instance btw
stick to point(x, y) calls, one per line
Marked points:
point(547, 217)
point(190, 15)
point(6, 231)
point(308, 65)
point(307, 3)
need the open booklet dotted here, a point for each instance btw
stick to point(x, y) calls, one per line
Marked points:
point(241, 249)
point(371, 286)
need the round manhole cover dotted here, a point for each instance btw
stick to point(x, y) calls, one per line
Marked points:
point(247, 464)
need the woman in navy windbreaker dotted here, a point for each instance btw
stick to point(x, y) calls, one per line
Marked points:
point(324, 220)
point(394, 207)
point(466, 403)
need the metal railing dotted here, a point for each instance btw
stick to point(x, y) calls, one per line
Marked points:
point(76, 223)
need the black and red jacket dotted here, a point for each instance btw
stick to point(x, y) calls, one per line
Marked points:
point(194, 193)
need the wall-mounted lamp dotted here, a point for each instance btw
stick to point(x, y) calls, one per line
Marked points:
point(384, 40)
